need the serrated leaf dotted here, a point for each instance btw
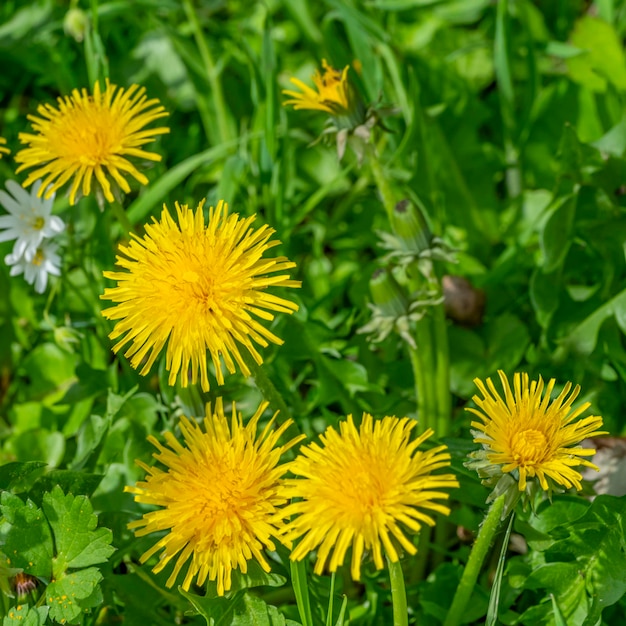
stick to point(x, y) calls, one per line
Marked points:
point(27, 537)
point(23, 615)
point(78, 542)
point(255, 612)
point(69, 596)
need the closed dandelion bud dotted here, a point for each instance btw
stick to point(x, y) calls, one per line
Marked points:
point(410, 227)
point(75, 24)
point(387, 294)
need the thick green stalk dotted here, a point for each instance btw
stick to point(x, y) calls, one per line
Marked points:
point(382, 182)
point(421, 387)
point(442, 371)
point(398, 594)
point(122, 218)
point(217, 94)
point(268, 389)
point(487, 532)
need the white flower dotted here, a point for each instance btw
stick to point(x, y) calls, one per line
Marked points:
point(29, 221)
point(44, 261)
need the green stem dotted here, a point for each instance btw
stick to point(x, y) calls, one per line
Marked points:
point(487, 531)
point(442, 371)
point(268, 389)
point(300, 585)
point(382, 182)
point(398, 594)
point(420, 384)
point(122, 218)
point(217, 94)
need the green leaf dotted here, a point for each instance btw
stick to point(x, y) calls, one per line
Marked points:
point(256, 576)
point(27, 537)
point(89, 440)
point(78, 542)
point(71, 595)
point(23, 615)
point(584, 337)
point(79, 483)
point(16, 471)
point(556, 236)
point(604, 60)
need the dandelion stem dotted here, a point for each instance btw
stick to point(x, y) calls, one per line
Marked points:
point(217, 95)
point(268, 389)
point(382, 182)
point(121, 216)
point(398, 593)
point(487, 532)
point(442, 370)
point(301, 591)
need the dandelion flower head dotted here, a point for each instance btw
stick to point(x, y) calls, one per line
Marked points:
point(219, 498)
point(332, 95)
point(29, 220)
point(364, 488)
point(3, 149)
point(197, 288)
point(528, 436)
point(90, 136)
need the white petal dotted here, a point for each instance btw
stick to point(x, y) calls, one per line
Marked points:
point(18, 192)
point(9, 203)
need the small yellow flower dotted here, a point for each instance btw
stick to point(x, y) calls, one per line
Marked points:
point(219, 497)
point(525, 435)
point(332, 95)
point(90, 136)
point(364, 488)
point(3, 149)
point(197, 288)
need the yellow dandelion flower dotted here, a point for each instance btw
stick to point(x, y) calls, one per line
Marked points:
point(90, 136)
point(363, 488)
point(3, 149)
point(197, 288)
point(332, 95)
point(527, 436)
point(219, 497)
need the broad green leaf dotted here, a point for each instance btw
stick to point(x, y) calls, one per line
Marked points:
point(583, 338)
point(79, 483)
point(89, 440)
point(16, 471)
point(78, 542)
point(604, 59)
point(69, 596)
point(256, 576)
point(23, 615)
point(27, 537)
point(556, 236)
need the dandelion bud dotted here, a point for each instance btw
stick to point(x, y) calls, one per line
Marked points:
point(387, 294)
point(410, 227)
point(75, 24)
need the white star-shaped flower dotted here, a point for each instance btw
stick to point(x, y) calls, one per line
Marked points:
point(44, 261)
point(29, 221)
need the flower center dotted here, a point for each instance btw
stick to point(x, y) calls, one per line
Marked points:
point(38, 223)
point(38, 258)
point(528, 446)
